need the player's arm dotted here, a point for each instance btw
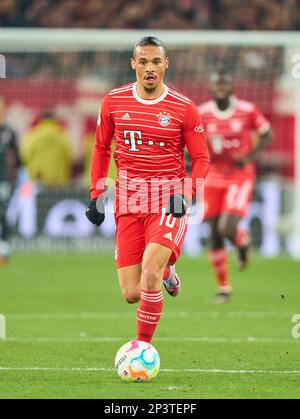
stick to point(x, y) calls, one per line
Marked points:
point(195, 141)
point(263, 129)
point(196, 144)
point(100, 163)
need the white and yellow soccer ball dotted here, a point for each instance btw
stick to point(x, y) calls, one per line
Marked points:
point(137, 361)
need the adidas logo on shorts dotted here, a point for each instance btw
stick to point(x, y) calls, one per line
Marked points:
point(169, 236)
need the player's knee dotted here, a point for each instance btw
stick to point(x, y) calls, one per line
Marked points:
point(216, 241)
point(151, 275)
point(132, 299)
point(131, 296)
point(225, 231)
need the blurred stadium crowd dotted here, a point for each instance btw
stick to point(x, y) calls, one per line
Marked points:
point(51, 98)
point(154, 14)
point(250, 63)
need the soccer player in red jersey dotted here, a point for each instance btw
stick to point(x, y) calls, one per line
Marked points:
point(230, 124)
point(151, 124)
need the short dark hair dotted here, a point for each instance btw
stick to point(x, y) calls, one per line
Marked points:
point(149, 40)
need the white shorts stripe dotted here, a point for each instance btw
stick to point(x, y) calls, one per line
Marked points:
point(177, 241)
point(180, 226)
point(181, 230)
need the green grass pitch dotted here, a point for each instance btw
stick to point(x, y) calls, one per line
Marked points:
point(66, 319)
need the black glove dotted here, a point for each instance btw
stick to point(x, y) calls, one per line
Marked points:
point(177, 205)
point(95, 211)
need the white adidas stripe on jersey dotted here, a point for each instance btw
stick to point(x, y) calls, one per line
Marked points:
point(151, 156)
point(175, 169)
point(177, 137)
point(180, 96)
point(154, 127)
point(120, 90)
point(125, 86)
point(175, 103)
point(144, 120)
point(147, 113)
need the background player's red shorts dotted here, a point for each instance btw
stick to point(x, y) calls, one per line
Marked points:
point(233, 198)
point(135, 231)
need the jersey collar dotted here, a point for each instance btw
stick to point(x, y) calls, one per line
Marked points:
point(150, 101)
point(228, 113)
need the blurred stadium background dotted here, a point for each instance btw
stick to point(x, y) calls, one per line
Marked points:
point(59, 66)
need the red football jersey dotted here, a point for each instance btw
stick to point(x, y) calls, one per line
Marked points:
point(150, 138)
point(229, 134)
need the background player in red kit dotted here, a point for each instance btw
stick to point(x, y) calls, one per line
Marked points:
point(151, 124)
point(230, 124)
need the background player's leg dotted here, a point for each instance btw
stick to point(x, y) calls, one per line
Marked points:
point(155, 259)
point(130, 282)
point(219, 260)
point(4, 245)
point(3, 228)
point(229, 228)
point(216, 240)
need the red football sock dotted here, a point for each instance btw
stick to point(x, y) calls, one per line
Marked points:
point(219, 261)
point(148, 314)
point(166, 273)
point(241, 238)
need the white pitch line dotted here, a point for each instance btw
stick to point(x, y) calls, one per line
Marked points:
point(192, 370)
point(116, 314)
point(200, 339)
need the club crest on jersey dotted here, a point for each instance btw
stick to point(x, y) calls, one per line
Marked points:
point(164, 119)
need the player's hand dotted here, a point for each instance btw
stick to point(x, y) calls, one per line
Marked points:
point(95, 211)
point(177, 205)
point(241, 161)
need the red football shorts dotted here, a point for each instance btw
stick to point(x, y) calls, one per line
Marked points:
point(233, 198)
point(135, 231)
